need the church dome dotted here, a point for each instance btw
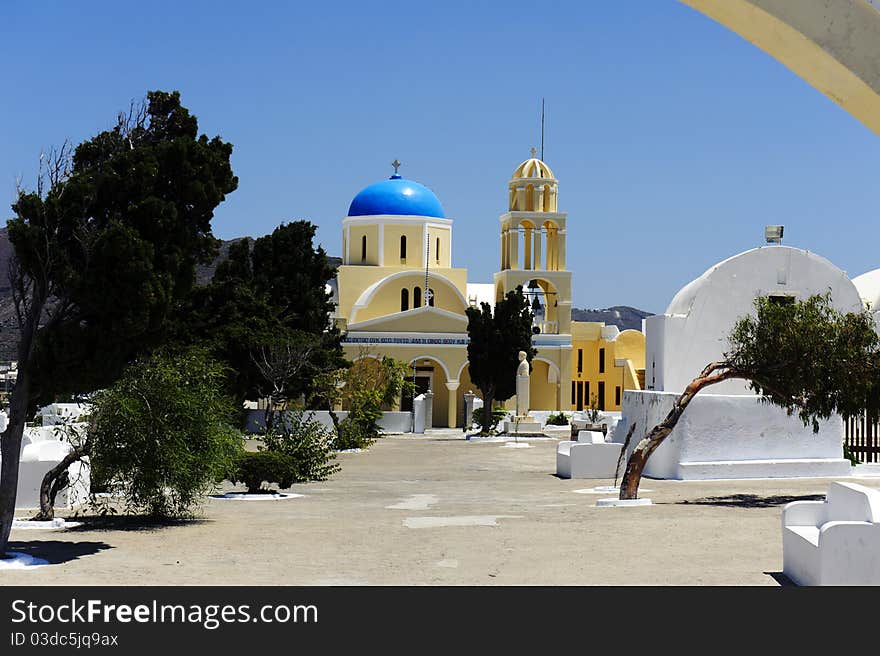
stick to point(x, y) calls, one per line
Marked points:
point(399, 196)
point(533, 168)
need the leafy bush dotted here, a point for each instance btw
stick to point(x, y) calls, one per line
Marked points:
point(161, 435)
point(558, 419)
point(253, 468)
point(498, 414)
point(371, 384)
point(849, 455)
point(308, 445)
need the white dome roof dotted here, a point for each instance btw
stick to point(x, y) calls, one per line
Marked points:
point(868, 285)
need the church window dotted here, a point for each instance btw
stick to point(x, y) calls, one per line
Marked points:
point(403, 247)
point(417, 297)
point(601, 361)
point(617, 395)
point(580, 360)
point(364, 248)
point(601, 395)
point(437, 250)
point(404, 299)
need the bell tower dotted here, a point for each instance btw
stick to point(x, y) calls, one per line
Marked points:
point(533, 247)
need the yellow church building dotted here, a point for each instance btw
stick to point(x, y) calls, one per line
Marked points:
point(398, 294)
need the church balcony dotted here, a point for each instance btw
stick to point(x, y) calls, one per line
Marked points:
point(547, 327)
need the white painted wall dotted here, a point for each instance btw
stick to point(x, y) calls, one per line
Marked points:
point(693, 331)
point(390, 422)
point(732, 436)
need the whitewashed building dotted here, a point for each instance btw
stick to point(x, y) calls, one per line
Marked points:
point(726, 432)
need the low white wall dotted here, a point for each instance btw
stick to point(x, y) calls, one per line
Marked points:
point(38, 458)
point(732, 436)
point(390, 422)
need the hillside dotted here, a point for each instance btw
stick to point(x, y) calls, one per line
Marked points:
point(8, 325)
point(622, 316)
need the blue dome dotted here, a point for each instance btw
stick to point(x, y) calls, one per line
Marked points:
point(396, 196)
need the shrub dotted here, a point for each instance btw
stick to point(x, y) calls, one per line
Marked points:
point(307, 443)
point(253, 468)
point(498, 414)
point(161, 435)
point(558, 419)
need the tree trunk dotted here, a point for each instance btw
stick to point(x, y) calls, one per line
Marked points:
point(487, 411)
point(635, 465)
point(10, 453)
point(48, 492)
point(19, 402)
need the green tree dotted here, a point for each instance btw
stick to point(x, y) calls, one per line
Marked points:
point(371, 385)
point(105, 250)
point(161, 434)
point(496, 338)
point(269, 292)
point(804, 356)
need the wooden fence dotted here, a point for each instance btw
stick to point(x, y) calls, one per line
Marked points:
point(862, 437)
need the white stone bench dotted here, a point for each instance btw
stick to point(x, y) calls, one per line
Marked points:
point(590, 457)
point(833, 542)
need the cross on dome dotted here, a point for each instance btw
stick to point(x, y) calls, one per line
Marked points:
point(534, 151)
point(396, 165)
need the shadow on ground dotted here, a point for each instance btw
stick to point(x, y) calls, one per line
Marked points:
point(781, 579)
point(56, 551)
point(129, 523)
point(752, 500)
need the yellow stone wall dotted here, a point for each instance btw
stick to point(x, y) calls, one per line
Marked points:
point(586, 339)
point(355, 244)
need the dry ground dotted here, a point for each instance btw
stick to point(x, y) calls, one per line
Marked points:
point(441, 510)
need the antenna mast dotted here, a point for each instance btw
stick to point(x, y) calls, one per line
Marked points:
point(542, 129)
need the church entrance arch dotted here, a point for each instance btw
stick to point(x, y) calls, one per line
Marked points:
point(427, 373)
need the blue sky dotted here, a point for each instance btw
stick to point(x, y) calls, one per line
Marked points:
point(674, 141)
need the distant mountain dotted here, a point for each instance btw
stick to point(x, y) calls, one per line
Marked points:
point(8, 324)
point(622, 316)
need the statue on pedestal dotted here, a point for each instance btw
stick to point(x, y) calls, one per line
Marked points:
point(522, 386)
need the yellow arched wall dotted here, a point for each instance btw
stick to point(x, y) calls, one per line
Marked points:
point(387, 298)
point(834, 45)
point(542, 395)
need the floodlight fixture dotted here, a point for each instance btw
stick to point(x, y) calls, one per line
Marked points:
point(773, 234)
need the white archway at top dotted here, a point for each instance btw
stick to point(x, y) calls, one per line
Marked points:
point(833, 45)
point(370, 292)
point(433, 358)
point(552, 366)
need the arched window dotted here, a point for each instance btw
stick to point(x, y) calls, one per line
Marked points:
point(403, 247)
point(417, 297)
point(404, 299)
point(437, 250)
point(364, 248)
point(431, 297)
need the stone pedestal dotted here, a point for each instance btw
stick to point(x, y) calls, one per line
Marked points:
point(469, 410)
point(522, 396)
point(429, 409)
point(522, 425)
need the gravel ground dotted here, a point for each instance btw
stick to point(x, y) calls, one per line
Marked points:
point(439, 510)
